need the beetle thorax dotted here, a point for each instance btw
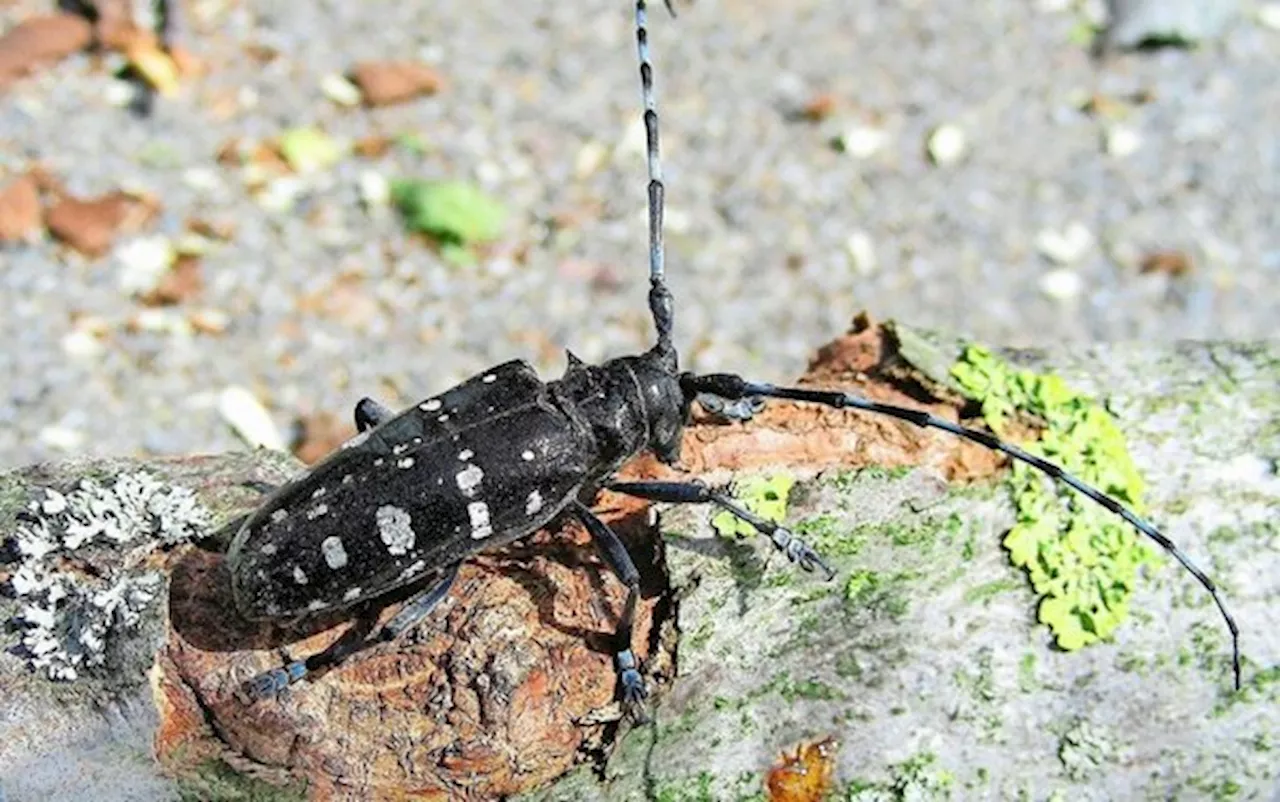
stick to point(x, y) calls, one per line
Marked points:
point(631, 404)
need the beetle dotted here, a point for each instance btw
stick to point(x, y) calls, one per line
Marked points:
point(494, 459)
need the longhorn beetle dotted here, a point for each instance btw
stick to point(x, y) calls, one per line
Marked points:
point(402, 504)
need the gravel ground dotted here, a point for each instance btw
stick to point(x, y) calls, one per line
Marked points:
point(769, 225)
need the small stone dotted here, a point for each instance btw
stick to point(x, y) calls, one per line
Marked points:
point(947, 144)
point(1135, 22)
point(1268, 16)
point(144, 261)
point(202, 179)
point(862, 141)
point(81, 344)
point(862, 252)
point(1061, 284)
point(209, 321)
point(62, 438)
point(375, 190)
point(1066, 246)
point(589, 159)
point(120, 93)
point(1121, 141)
point(246, 415)
point(339, 90)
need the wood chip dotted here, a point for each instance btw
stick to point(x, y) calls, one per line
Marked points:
point(383, 83)
point(91, 226)
point(39, 42)
point(181, 283)
point(20, 210)
point(1172, 263)
point(819, 108)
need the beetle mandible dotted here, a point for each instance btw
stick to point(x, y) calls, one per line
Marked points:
point(503, 454)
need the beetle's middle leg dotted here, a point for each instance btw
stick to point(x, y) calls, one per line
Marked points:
point(783, 539)
point(625, 663)
point(356, 639)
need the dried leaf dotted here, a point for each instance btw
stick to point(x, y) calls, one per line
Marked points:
point(41, 41)
point(20, 210)
point(383, 83)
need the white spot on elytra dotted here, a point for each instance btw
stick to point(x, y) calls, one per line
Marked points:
point(320, 491)
point(534, 504)
point(348, 479)
point(443, 418)
point(527, 456)
point(469, 479)
point(316, 605)
point(399, 448)
point(407, 462)
point(268, 549)
point(379, 462)
point(430, 406)
point(395, 527)
point(334, 554)
point(466, 455)
point(317, 511)
point(413, 569)
point(354, 593)
point(299, 576)
point(479, 512)
point(278, 515)
point(489, 378)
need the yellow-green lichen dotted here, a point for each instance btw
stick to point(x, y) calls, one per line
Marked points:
point(766, 496)
point(1082, 560)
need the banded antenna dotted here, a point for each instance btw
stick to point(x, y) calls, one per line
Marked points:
point(660, 300)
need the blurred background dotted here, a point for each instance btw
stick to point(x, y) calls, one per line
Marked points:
point(301, 203)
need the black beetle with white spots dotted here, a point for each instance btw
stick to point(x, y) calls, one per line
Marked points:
point(504, 454)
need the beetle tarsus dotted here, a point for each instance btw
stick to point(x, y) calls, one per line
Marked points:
point(631, 685)
point(269, 683)
point(737, 410)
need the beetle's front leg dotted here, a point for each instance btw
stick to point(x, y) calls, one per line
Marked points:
point(738, 409)
point(783, 539)
point(624, 660)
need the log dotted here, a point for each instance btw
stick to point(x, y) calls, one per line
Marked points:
point(920, 672)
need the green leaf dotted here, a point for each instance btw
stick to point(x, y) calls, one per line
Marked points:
point(453, 212)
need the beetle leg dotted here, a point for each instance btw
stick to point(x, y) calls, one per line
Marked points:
point(422, 604)
point(625, 662)
point(355, 639)
point(370, 413)
point(741, 409)
point(783, 539)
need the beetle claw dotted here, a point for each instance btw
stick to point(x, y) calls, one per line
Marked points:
point(632, 686)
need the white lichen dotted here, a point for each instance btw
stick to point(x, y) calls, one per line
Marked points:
point(82, 573)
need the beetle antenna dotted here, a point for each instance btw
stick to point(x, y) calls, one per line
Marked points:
point(660, 301)
point(733, 387)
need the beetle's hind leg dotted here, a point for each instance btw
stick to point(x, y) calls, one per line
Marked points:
point(625, 663)
point(369, 413)
point(354, 640)
point(783, 539)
